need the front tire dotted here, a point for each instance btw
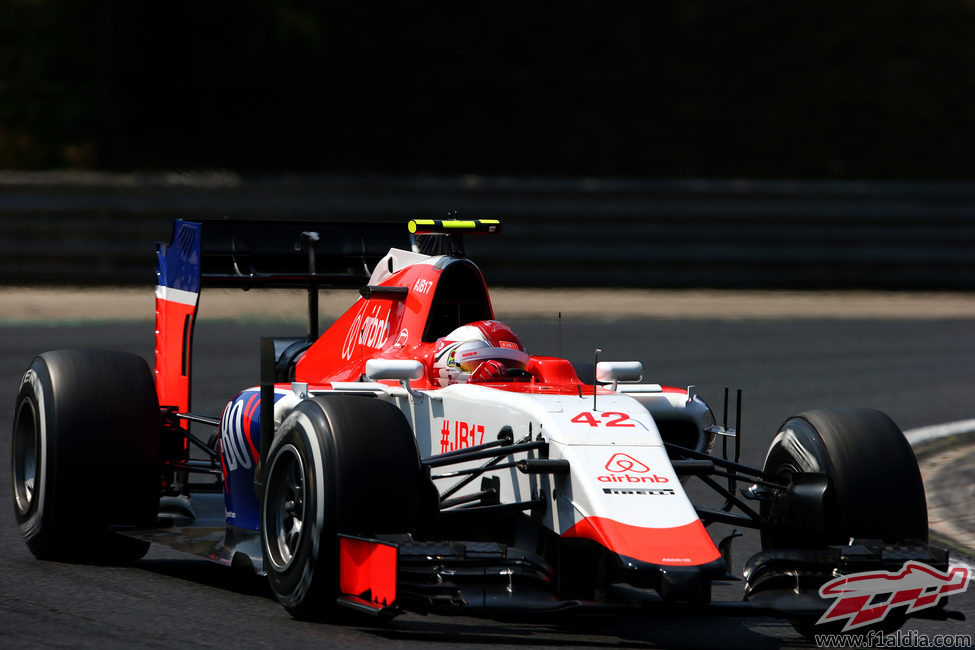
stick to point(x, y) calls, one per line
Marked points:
point(338, 464)
point(851, 475)
point(84, 455)
point(874, 484)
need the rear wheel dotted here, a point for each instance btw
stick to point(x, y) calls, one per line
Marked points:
point(338, 464)
point(84, 455)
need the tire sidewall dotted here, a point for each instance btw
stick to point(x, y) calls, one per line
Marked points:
point(798, 449)
point(311, 573)
point(34, 393)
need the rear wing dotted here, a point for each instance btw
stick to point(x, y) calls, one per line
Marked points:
point(247, 254)
point(295, 254)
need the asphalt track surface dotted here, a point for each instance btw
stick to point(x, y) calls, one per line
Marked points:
point(919, 371)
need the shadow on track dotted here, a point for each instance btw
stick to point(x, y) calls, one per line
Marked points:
point(617, 631)
point(238, 580)
point(625, 629)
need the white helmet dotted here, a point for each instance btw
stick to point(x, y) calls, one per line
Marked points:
point(477, 351)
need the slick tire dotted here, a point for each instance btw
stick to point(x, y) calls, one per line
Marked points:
point(85, 455)
point(874, 484)
point(872, 490)
point(338, 464)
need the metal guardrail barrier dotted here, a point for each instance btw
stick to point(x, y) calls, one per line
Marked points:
point(63, 228)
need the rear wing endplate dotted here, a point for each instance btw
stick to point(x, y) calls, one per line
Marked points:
point(248, 254)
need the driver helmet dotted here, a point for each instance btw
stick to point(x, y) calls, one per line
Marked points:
point(479, 351)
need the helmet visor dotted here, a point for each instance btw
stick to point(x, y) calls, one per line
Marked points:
point(469, 356)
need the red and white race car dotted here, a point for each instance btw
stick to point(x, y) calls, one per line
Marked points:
point(416, 457)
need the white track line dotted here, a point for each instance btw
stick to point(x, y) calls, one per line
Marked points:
point(924, 435)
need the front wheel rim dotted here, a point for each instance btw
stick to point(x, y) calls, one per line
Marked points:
point(24, 457)
point(284, 507)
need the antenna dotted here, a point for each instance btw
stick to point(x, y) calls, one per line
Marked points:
point(738, 426)
point(724, 425)
point(595, 381)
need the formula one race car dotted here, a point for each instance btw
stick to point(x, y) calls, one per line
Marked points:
point(416, 457)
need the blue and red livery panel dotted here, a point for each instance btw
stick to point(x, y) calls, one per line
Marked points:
point(177, 296)
point(240, 442)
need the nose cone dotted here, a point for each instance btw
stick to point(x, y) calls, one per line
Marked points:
point(679, 562)
point(687, 545)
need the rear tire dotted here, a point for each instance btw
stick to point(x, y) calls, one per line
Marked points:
point(84, 454)
point(338, 464)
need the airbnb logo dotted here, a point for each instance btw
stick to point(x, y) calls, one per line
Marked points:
point(628, 478)
point(621, 463)
point(626, 463)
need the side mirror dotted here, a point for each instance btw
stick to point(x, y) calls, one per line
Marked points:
point(617, 371)
point(400, 369)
